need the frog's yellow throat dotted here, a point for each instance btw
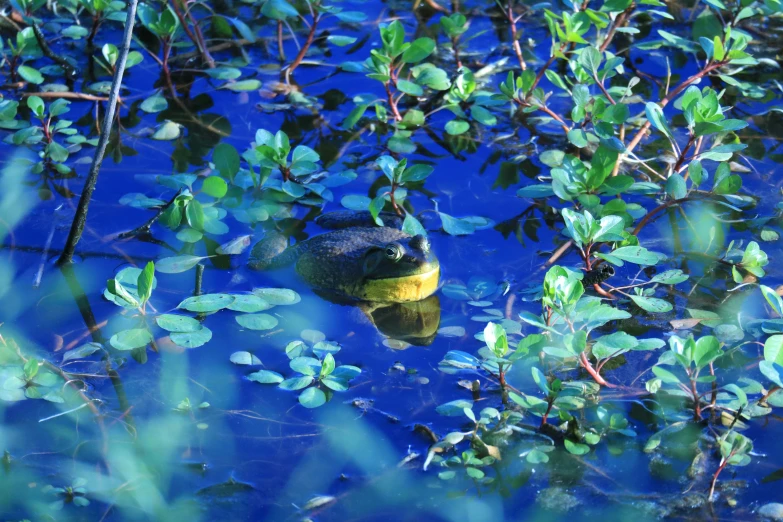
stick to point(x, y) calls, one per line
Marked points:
point(400, 289)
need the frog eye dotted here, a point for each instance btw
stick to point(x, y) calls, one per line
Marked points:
point(393, 251)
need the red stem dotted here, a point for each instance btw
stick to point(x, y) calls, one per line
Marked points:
point(585, 363)
point(514, 40)
point(392, 103)
point(299, 57)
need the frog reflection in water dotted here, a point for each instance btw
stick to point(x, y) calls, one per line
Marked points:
point(386, 272)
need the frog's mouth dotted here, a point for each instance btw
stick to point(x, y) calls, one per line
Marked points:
point(402, 289)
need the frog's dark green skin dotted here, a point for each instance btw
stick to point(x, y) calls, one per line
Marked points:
point(598, 275)
point(364, 262)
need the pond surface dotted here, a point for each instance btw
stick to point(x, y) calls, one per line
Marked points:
point(174, 406)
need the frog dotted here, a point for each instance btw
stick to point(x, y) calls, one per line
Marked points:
point(357, 259)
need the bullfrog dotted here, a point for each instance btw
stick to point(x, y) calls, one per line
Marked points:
point(356, 259)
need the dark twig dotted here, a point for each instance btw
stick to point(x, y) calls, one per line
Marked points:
point(79, 220)
point(145, 227)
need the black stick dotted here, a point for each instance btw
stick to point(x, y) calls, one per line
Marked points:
point(80, 218)
point(145, 227)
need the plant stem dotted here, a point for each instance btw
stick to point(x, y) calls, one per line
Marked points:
point(145, 227)
point(455, 48)
point(199, 279)
point(696, 401)
point(669, 97)
point(280, 50)
point(514, 41)
point(647, 217)
point(96, 23)
point(618, 22)
point(80, 218)
point(715, 477)
point(547, 412)
point(195, 36)
point(681, 159)
point(300, 56)
point(585, 363)
point(392, 103)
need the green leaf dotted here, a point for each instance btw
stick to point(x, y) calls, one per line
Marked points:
point(178, 323)
point(265, 377)
point(773, 349)
point(167, 131)
point(277, 296)
point(131, 339)
point(590, 58)
point(82, 351)
point(665, 375)
point(178, 264)
point(578, 137)
point(206, 303)
point(312, 398)
point(340, 41)
point(454, 408)
point(456, 226)
point(226, 160)
point(670, 277)
point(409, 87)
point(457, 127)
point(278, 10)
point(257, 321)
point(676, 187)
point(36, 104)
point(576, 448)
point(30, 75)
point(418, 50)
point(636, 255)
point(144, 283)
point(651, 304)
point(656, 118)
point(192, 339)
point(242, 29)
point(154, 104)
point(215, 186)
point(248, 304)
point(297, 383)
point(189, 235)
point(412, 226)
point(115, 288)
point(327, 366)
point(243, 85)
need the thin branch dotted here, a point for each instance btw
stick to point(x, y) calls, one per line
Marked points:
point(80, 218)
point(145, 227)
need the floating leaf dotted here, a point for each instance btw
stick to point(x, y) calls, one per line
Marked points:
point(651, 304)
point(257, 321)
point(167, 132)
point(243, 85)
point(206, 303)
point(178, 323)
point(235, 246)
point(192, 339)
point(82, 351)
point(178, 264)
point(312, 398)
point(215, 186)
point(30, 75)
point(454, 408)
point(277, 296)
point(457, 127)
point(154, 104)
point(249, 304)
point(245, 358)
point(131, 339)
point(265, 377)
